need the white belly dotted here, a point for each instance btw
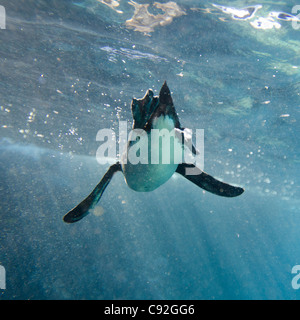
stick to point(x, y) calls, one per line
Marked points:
point(159, 163)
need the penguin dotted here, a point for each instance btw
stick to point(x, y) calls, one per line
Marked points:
point(150, 113)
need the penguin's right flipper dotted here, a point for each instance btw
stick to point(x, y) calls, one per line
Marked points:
point(82, 209)
point(207, 182)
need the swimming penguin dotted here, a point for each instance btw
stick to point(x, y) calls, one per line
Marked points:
point(152, 112)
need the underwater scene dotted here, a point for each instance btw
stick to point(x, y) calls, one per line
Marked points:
point(71, 69)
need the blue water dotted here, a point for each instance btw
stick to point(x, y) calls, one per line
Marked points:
point(70, 68)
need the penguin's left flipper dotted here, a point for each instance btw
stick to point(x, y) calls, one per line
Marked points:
point(81, 210)
point(207, 182)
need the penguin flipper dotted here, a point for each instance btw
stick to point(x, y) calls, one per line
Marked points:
point(207, 182)
point(82, 209)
